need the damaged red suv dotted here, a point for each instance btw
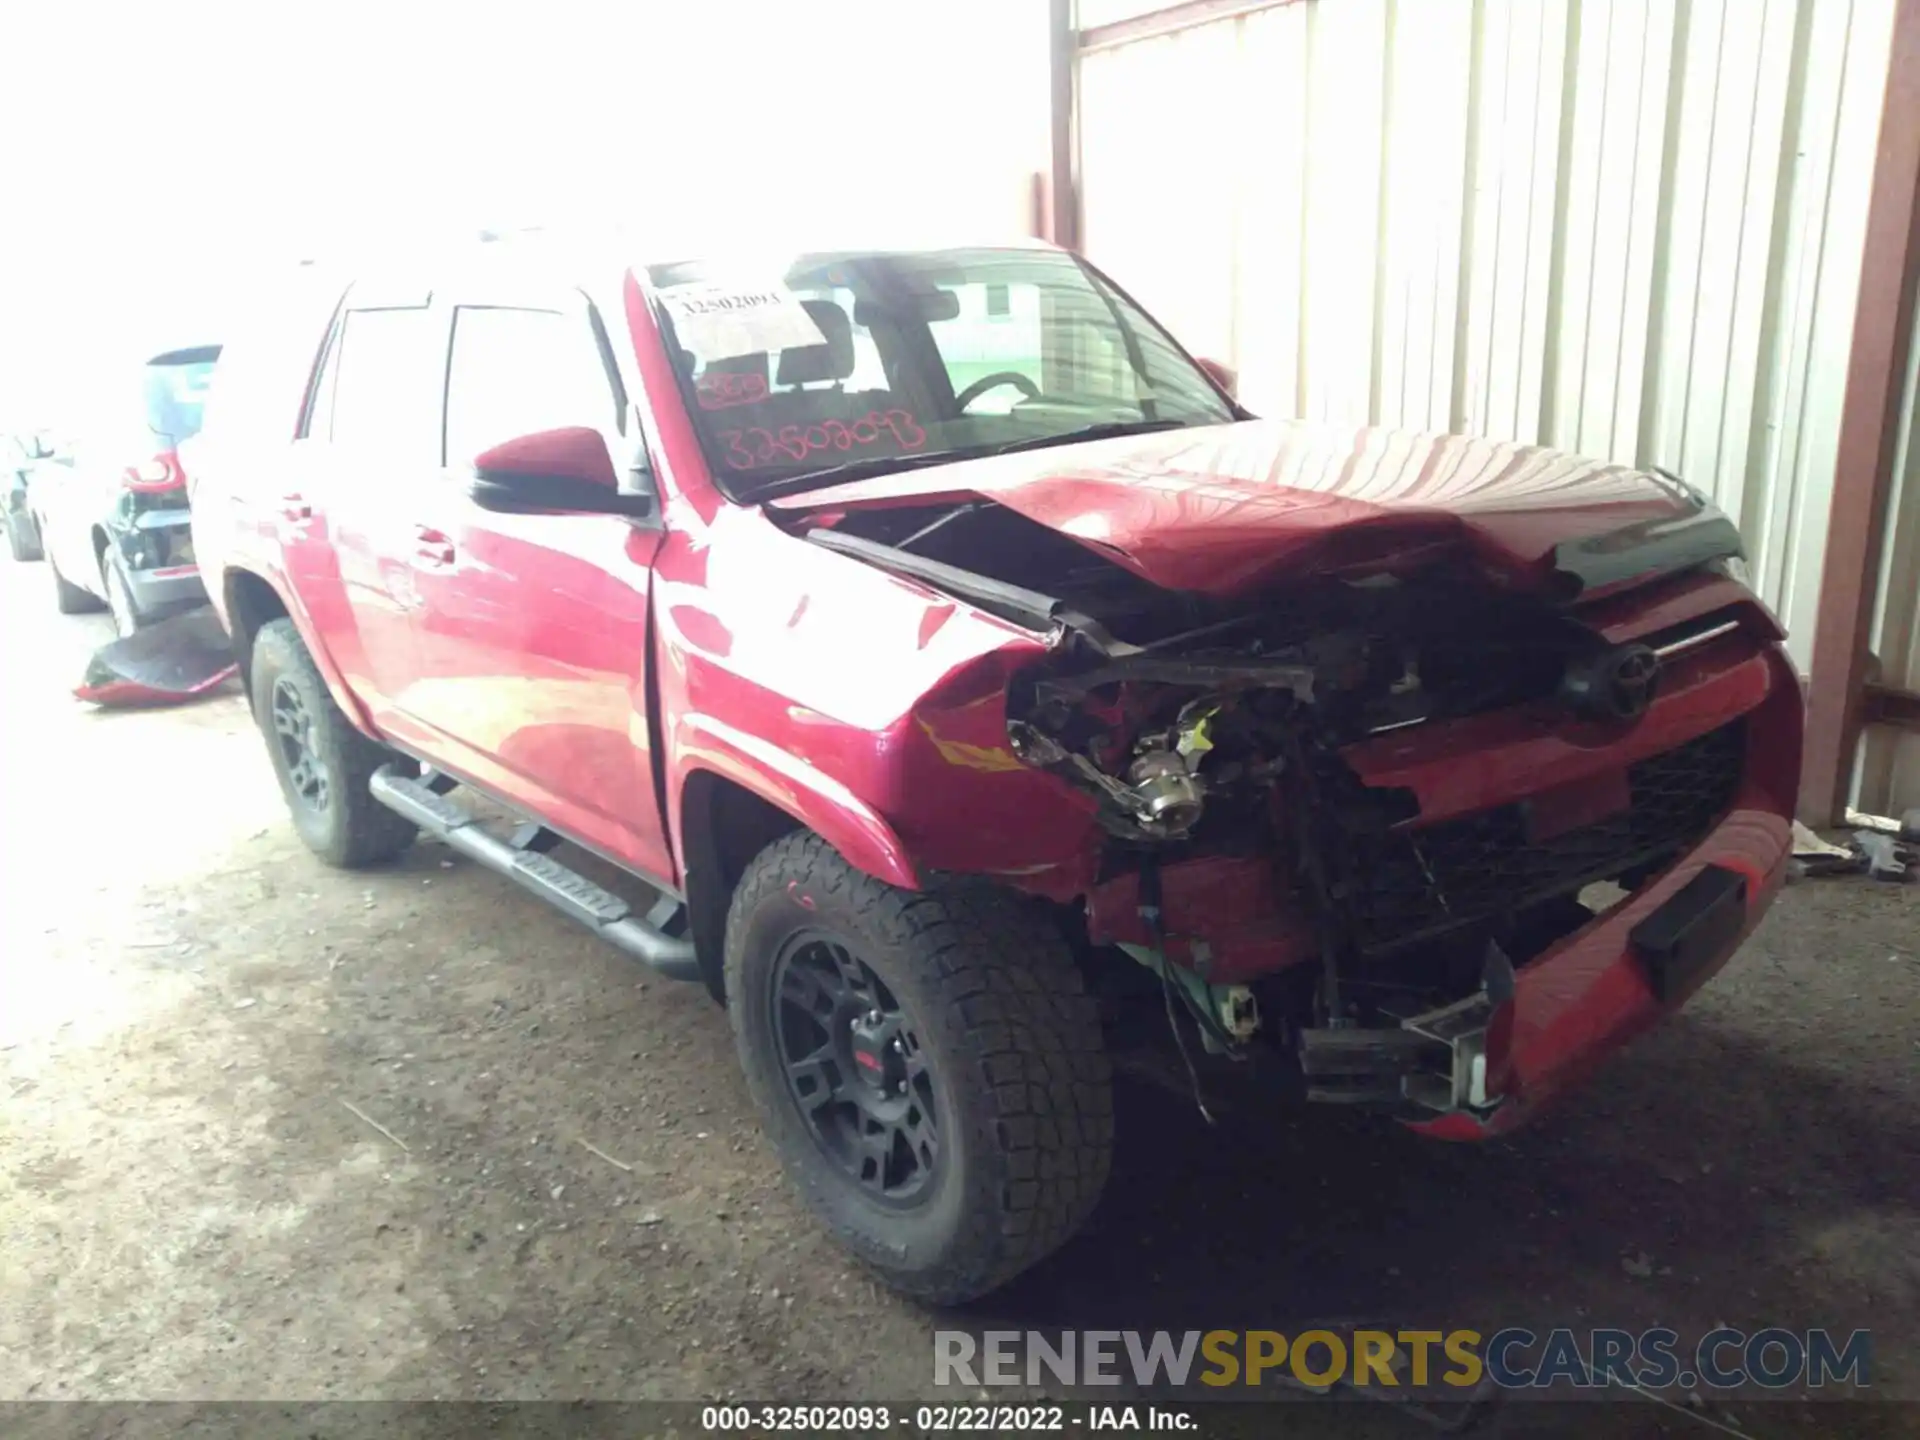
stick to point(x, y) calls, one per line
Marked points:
point(984, 697)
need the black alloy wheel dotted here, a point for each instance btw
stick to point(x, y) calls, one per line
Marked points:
point(293, 729)
point(856, 1070)
point(323, 764)
point(928, 1065)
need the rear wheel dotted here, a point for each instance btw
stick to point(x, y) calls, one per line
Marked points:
point(69, 598)
point(23, 537)
point(322, 762)
point(120, 602)
point(928, 1066)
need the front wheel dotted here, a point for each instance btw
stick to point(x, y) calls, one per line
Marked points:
point(322, 762)
point(928, 1066)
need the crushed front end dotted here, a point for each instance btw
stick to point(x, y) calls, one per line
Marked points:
point(1442, 847)
point(1426, 819)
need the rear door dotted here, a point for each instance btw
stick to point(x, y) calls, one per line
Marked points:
point(532, 631)
point(369, 448)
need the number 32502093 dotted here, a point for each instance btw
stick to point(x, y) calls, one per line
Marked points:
point(751, 449)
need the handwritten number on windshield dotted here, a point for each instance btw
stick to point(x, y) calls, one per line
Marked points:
point(757, 447)
point(721, 389)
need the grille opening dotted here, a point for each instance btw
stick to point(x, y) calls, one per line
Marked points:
point(1418, 884)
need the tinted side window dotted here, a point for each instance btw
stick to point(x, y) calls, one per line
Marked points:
point(384, 389)
point(515, 372)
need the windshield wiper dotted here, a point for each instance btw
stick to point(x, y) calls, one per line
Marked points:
point(892, 464)
point(853, 470)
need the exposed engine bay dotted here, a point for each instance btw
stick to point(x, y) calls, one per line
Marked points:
point(1180, 714)
point(1212, 717)
point(1210, 732)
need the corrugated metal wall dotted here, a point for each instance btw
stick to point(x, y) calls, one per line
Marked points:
point(1629, 228)
point(1888, 782)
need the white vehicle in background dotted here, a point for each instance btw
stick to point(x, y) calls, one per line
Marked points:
point(114, 523)
point(22, 457)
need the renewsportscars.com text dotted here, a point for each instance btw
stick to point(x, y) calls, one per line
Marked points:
point(1512, 1358)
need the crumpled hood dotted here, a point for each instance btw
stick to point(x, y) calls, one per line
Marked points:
point(1227, 508)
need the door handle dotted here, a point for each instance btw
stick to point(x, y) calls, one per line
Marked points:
point(432, 547)
point(295, 507)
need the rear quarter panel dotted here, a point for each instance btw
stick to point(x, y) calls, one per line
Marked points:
point(72, 501)
point(248, 455)
point(237, 535)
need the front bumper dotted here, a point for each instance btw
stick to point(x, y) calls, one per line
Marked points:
point(1591, 993)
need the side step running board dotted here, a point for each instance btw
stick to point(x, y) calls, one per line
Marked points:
point(568, 891)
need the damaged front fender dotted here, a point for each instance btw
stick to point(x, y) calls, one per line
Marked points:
point(867, 707)
point(975, 807)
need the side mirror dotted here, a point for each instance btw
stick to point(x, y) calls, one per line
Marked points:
point(567, 472)
point(1221, 375)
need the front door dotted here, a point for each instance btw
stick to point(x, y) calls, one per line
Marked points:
point(531, 633)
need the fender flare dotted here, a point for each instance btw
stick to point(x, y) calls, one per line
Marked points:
point(336, 683)
point(789, 784)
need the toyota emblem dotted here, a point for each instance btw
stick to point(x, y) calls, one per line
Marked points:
point(1616, 684)
point(1627, 679)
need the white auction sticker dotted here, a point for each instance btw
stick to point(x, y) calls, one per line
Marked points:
point(716, 320)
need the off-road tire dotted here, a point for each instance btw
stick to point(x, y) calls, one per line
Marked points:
point(23, 540)
point(353, 829)
point(1022, 1080)
point(69, 598)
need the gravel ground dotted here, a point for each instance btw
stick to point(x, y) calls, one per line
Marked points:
point(273, 1131)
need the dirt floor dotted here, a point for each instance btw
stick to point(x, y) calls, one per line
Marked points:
point(271, 1130)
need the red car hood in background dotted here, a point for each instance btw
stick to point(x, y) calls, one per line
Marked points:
point(1224, 508)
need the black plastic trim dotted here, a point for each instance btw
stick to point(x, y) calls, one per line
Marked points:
point(1031, 608)
point(1696, 925)
point(606, 914)
point(448, 774)
point(1652, 547)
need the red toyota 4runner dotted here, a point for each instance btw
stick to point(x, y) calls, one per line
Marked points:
point(989, 698)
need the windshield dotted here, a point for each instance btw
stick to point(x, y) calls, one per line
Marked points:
point(851, 362)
